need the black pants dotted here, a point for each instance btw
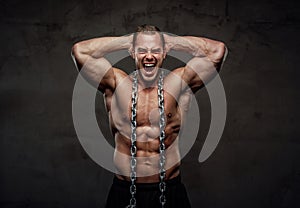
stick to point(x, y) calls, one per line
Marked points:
point(148, 194)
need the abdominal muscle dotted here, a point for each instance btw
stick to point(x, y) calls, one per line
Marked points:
point(147, 168)
point(148, 132)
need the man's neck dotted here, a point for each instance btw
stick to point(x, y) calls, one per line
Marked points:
point(147, 84)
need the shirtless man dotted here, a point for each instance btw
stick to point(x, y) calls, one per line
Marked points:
point(147, 155)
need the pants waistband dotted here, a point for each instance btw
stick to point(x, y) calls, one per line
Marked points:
point(123, 183)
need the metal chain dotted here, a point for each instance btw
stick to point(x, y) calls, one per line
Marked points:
point(133, 141)
point(133, 149)
point(162, 123)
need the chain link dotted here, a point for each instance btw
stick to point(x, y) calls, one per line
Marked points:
point(133, 149)
point(162, 123)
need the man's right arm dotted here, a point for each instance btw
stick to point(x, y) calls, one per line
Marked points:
point(89, 58)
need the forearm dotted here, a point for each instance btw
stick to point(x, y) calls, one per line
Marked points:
point(198, 47)
point(98, 47)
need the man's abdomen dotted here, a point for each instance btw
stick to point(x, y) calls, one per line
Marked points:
point(147, 159)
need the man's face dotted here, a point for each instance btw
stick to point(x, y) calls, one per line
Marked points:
point(149, 55)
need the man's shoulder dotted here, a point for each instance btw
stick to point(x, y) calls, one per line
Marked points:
point(178, 71)
point(119, 74)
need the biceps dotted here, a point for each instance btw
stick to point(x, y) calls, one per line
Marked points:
point(99, 73)
point(198, 72)
point(192, 79)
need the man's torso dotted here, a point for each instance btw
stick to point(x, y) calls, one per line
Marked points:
point(148, 131)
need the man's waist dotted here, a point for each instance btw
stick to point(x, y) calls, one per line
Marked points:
point(124, 183)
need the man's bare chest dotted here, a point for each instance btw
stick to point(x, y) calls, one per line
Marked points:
point(148, 107)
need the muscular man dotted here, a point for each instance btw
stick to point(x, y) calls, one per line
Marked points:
point(146, 109)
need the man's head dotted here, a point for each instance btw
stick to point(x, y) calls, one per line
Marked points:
point(148, 51)
point(148, 29)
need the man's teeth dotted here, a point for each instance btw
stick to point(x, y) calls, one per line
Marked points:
point(149, 65)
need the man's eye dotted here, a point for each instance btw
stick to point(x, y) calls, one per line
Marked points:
point(142, 51)
point(156, 51)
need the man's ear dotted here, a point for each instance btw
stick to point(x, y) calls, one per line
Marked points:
point(165, 53)
point(131, 52)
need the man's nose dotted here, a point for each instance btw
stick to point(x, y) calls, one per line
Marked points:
point(149, 56)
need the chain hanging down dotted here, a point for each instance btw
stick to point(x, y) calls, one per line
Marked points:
point(162, 123)
point(133, 149)
point(133, 141)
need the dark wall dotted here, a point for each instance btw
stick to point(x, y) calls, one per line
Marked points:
point(256, 162)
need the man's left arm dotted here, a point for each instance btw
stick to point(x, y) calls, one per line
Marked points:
point(208, 57)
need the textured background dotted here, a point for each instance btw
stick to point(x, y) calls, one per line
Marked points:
point(257, 161)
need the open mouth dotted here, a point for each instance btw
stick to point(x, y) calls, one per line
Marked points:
point(149, 67)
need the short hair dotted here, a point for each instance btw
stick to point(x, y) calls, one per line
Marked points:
point(148, 29)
